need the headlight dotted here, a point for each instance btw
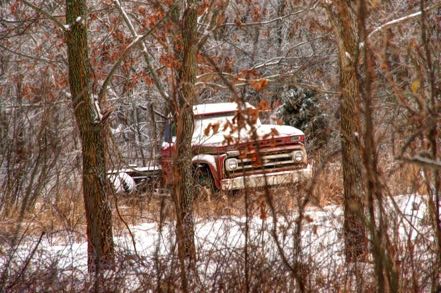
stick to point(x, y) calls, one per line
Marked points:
point(298, 138)
point(295, 138)
point(298, 156)
point(231, 164)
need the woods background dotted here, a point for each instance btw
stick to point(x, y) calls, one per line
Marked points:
point(79, 85)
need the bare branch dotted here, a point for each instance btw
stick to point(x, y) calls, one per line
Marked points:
point(280, 18)
point(401, 19)
point(422, 161)
point(135, 42)
point(28, 260)
point(29, 56)
point(144, 51)
point(51, 17)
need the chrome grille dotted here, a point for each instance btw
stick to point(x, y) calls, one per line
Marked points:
point(277, 160)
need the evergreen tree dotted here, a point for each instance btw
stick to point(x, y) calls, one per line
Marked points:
point(300, 109)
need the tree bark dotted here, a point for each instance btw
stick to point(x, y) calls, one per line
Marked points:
point(97, 207)
point(182, 168)
point(354, 228)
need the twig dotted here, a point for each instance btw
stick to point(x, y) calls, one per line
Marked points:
point(28, 260)
point(144, 51)
point(51, 17)
point(127, 226)
point(136, 41)
point(425, 162)
point(29, 56)
point(401, 19)
point(280, 18)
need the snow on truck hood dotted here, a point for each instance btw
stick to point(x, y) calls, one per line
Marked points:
point(219, 114)
point(262, 130)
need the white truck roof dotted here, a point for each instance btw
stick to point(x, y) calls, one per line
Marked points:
point(217, 108)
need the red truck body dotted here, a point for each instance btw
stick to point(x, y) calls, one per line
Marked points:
point(237, 157)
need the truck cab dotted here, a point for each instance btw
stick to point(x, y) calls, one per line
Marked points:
point(233, 150)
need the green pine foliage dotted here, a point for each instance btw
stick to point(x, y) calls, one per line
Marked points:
point(301, 109)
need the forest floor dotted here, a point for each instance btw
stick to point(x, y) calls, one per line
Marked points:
point(321, 233)
point(67, 214)
point(54, 234)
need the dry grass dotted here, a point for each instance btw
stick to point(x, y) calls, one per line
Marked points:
point(328, 188)
point(405, 179)
point(67, 212)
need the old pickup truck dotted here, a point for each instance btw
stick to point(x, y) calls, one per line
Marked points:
point(227, 156)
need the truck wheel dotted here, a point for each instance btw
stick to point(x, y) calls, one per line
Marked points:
point(204, 183)
point(122, 183)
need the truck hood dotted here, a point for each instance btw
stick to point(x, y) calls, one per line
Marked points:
point(218, 139)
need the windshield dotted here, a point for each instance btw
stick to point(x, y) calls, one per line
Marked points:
point(201, 124)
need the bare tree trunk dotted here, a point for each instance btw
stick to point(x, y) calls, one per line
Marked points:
point(354, 229)
point(384, 265)
point(98, 212)
point(154, 150)
point(15, 159)
point(138, 134)
point(182, 169)
point(433, 135)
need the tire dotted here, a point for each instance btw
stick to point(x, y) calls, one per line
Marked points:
point(204, 183)
point(122, 183)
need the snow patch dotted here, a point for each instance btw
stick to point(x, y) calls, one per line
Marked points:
point(322, 240)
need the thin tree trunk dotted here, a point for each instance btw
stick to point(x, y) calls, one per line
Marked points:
point(154, 149)
point(433, 136)
point(138, 134)
point(384, 264)
point(98, 212)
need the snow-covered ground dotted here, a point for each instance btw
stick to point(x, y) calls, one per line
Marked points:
point(322, 240)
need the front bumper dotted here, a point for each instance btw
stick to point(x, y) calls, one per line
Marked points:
point(272, 179)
